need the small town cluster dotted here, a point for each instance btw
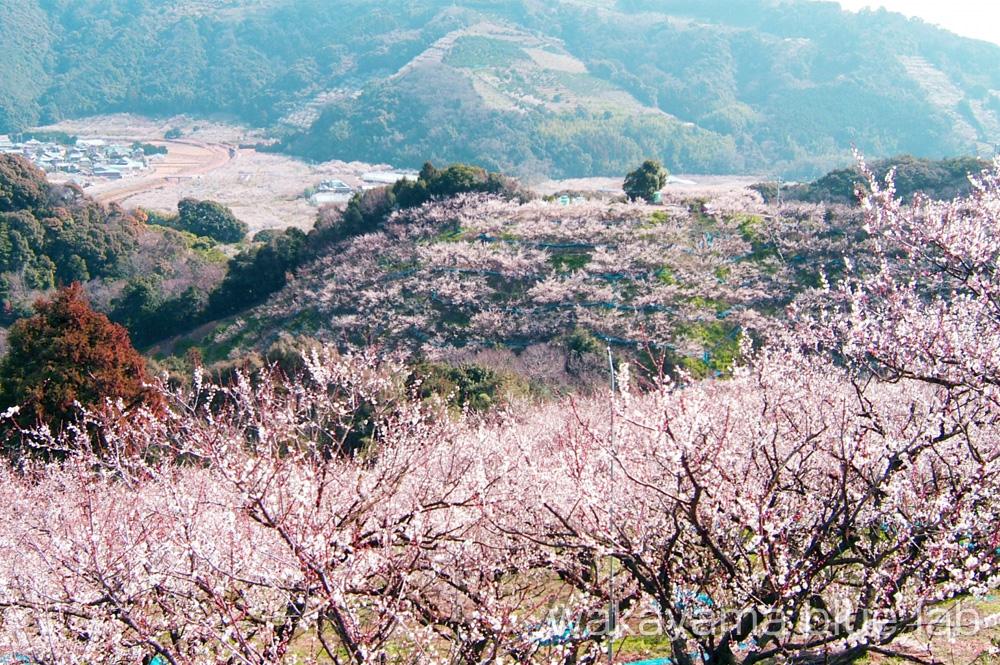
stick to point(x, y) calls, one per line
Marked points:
point(84, 159)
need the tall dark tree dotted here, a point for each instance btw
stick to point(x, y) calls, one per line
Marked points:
point(22, 184)
point(68, 355)
point(211, 219)
point(645, 181)
point(257, 272)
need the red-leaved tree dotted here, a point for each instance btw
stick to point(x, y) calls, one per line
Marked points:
point(68, 358)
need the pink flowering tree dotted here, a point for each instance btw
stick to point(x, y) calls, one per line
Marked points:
point(932, 309)
point(788, 512)
point(254, 530)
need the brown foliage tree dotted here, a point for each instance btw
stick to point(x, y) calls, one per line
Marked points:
point(67, 356)
point(22, 184)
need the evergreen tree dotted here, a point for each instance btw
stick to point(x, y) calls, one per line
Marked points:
point(645, 181)
point(211, 219)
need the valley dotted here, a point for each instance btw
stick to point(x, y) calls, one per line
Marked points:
point(264, 189)
point(476, 332)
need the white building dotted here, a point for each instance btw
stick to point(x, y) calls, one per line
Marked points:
point(387, 178)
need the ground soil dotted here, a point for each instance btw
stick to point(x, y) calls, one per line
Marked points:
point(265, 190)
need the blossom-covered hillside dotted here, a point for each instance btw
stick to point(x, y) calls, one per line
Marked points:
point(478, 272)
point(834, 498)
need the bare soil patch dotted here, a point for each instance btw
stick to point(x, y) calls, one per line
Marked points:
point(265, 190)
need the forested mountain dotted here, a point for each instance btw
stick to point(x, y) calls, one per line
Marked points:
point(942, 179)
point(145, 276)
point(530, 88)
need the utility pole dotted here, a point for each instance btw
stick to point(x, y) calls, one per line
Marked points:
point(613, 606)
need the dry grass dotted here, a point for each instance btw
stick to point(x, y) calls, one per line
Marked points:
point(958, 632)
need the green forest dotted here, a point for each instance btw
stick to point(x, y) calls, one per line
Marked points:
point(704, 87)
point(941, 179)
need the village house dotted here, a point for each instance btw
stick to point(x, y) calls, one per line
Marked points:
point(89, 157)
point(334, 187)
point(387, 178)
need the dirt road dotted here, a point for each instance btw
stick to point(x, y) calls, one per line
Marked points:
point(185, 159)
point(264, 189)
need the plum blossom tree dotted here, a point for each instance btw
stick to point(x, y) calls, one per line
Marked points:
point(931, 310)
point(261, 534)
point(802, 510)
point(788, 512)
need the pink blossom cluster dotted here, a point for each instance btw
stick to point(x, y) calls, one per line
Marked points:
point(803, 510)
point(799, 506)
point(932, 315)
point(480, 270)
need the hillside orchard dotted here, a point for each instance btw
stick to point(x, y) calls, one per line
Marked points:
point(476, 274)
point(809, 508)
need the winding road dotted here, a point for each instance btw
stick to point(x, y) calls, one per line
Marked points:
point(185, 158)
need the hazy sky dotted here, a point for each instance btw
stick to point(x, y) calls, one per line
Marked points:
point(970, 18)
